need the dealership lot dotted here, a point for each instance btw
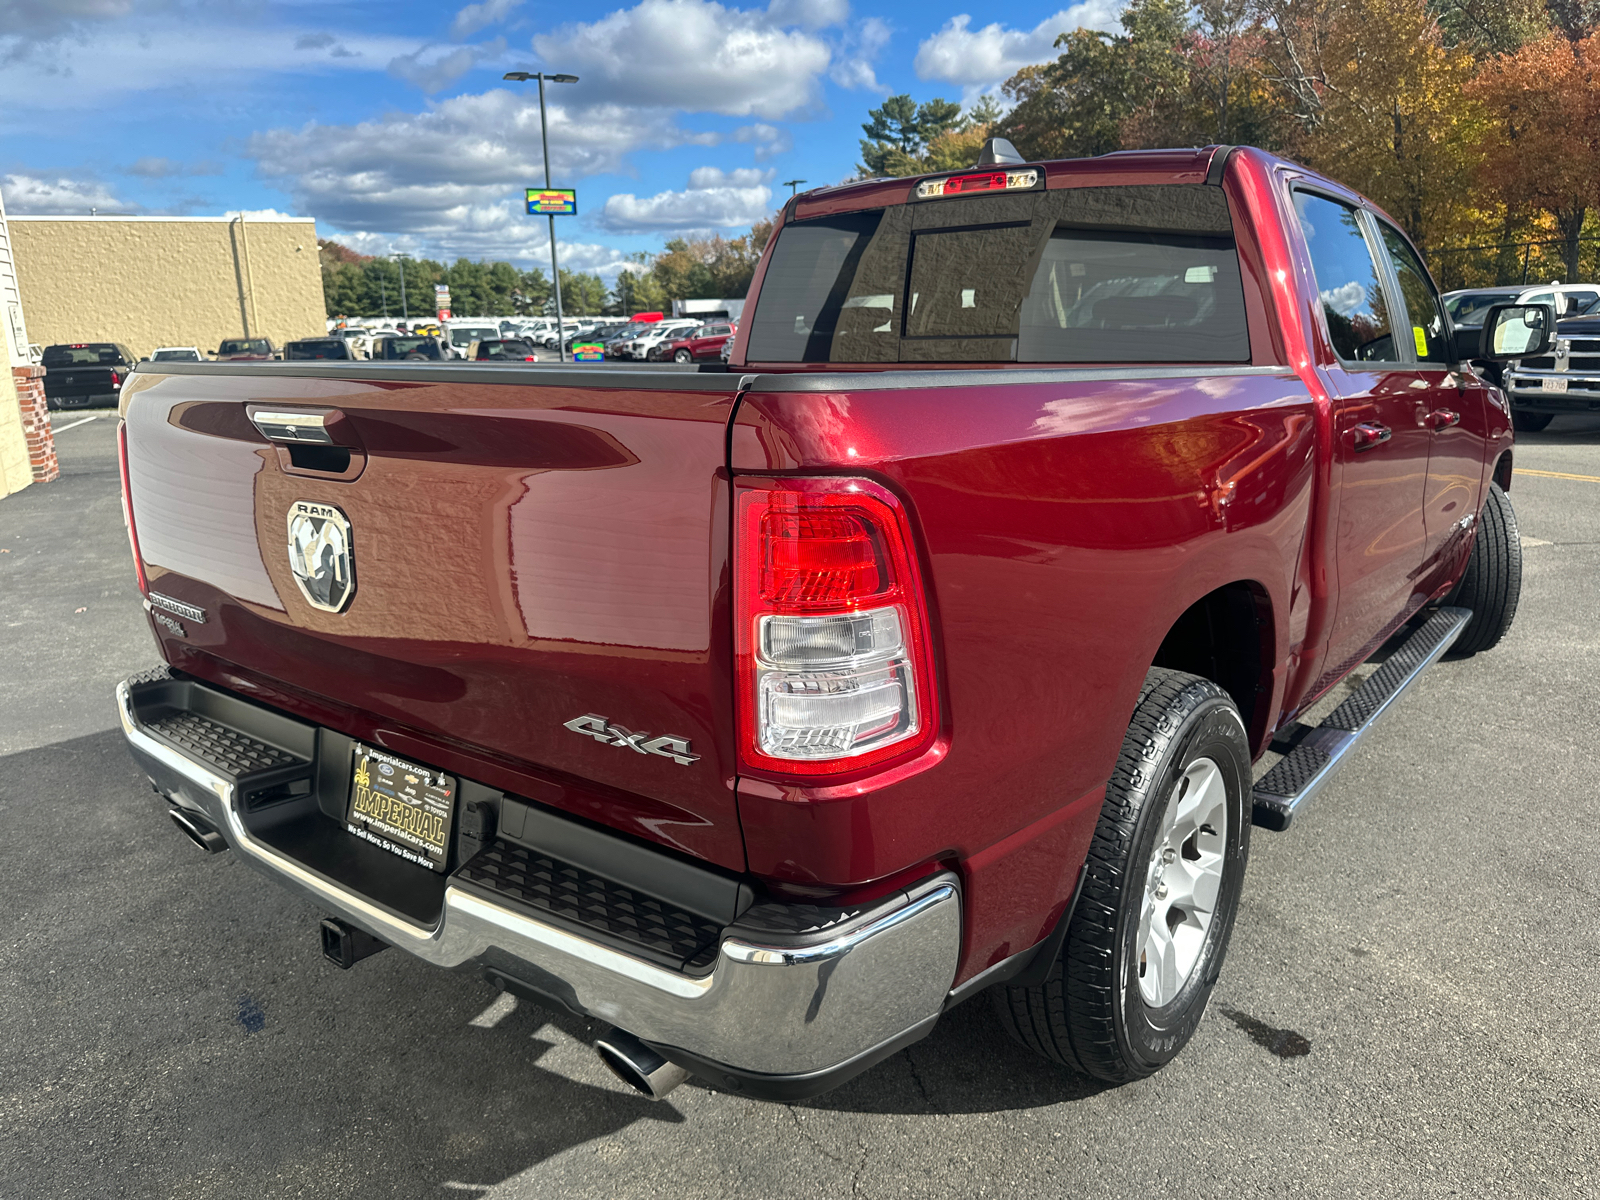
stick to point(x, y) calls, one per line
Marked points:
point(1408, 1008)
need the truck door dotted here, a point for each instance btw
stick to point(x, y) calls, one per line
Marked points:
point(1381, 454)
point(1456, 411)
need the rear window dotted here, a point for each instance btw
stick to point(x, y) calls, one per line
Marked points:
point(245, 346)
point(319, 348)
point(404, 347)
point(97, 355)
point(1121, 274)
point(506, 349)
point(175, 356)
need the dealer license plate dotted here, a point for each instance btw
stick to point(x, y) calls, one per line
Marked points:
point(1553, 385)
point(403, 808)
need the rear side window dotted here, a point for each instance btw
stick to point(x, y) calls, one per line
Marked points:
point(1348, 283)
point(1118, 274)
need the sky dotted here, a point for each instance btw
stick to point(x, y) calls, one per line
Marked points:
point(390, 124)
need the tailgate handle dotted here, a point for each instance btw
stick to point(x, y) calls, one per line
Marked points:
point(289, 426)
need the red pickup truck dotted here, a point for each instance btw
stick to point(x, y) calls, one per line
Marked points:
point(765, 713)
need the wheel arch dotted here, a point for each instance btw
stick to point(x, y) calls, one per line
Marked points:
point(1228, 636)
point(1502, 471)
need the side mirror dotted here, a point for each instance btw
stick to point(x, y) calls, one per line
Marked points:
point(1513, 331)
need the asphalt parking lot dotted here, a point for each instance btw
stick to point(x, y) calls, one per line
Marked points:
point(1409, 1007)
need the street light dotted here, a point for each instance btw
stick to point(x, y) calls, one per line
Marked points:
point(405, 314)
point(544, 140)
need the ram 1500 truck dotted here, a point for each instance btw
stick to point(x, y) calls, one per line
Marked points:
point(765, 713)
point(1565, 379)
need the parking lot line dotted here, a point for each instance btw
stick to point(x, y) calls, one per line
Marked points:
point(1556, 475)
point(74, 425)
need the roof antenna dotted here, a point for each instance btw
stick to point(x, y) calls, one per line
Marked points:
point(998, 152)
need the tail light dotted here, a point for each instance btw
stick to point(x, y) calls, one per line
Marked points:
point(116, 380)
point(127, 506)
point(835, 666)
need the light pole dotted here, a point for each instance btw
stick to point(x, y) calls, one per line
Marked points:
point(400, 259)
point(792, 184)
point(544, 141)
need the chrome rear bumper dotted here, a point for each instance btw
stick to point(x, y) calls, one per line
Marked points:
point(801, 1010)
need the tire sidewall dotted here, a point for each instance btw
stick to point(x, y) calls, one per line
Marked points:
point(1153, 1036)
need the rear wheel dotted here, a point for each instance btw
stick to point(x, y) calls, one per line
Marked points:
point(1164, 875)
point(683, 356)
point(1530, 422)
point(1491, 585)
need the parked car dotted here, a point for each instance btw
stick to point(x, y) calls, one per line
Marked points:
point(506, 350)
point(175, 354)
point(699, 345)
point(461, 335)
point(765, 715)
point(409, 349)
point(84, 374)
point(331, 348)
point(1564, 380)
point(246, 350)
point(359, 340)
point(640, 346)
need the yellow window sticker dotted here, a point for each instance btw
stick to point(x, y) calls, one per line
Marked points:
point(1420, 336)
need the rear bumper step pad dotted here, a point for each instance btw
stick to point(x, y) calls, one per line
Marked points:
point(1319, 752)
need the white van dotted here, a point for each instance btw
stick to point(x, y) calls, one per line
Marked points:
point(459, 335)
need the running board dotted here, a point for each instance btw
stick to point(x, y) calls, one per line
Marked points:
point(1318, 753)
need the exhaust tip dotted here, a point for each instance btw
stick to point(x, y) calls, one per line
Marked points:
point(197, 831)
point(638, 1066)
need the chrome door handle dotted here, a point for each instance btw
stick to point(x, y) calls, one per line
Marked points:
point(1369, 435)
point(1442, 418)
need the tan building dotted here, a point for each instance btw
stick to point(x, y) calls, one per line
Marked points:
point(168, 281)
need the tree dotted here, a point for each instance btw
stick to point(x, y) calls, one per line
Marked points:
point(1542, 148)
point(899, 132)
point(1076, 106)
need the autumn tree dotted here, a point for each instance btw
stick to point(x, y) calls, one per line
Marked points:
point(1542, 150)
point(1395, 123)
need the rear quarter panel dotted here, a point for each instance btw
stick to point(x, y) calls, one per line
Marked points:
point(1066, 523)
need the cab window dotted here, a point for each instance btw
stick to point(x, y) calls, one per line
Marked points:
point(1348, 281)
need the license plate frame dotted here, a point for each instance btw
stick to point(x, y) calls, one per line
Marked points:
point(1556, 387)
point(401, 806)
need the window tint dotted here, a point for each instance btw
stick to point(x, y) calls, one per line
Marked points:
point(318, 348)
point(1347, 279)
point(1422, 302)
point(1098, 274)
point(104, 354)
point(802, 301)
point(1135, 297)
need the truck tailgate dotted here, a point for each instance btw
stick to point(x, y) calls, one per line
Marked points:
point(524, 554)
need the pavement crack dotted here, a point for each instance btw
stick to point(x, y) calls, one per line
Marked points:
point(794, 1115)
point(922, 1086)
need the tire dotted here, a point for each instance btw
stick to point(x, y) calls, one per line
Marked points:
point(1530, 422)
point(1492, 583)
point(1106, 1008)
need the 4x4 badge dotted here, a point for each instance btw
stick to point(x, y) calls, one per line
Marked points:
point(602, 730)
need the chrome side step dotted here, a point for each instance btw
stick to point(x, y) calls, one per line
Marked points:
point(1306, 769)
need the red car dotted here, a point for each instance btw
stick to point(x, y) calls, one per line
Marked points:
point(765, 714)
point(701, 345)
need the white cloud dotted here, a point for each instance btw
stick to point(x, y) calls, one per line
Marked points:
point(151, 167)
point(769, 140)
point(196, 58)
point(854, 69)
point(479, 16)
point(34, 195)
point(980, 58)
point(433, 70)
point(699, 56)
point(715, 199)
point(452, 176)
point(1347, 299)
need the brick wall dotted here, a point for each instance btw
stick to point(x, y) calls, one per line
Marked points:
point(36, 423)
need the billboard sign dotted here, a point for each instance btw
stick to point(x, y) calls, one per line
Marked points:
point(552, 202)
